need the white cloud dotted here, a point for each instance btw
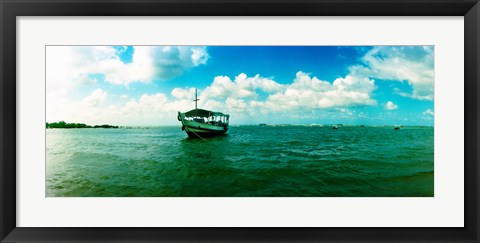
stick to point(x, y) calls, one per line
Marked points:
point(180, 93)
point(312, 93)
point(95, 98)
point(69, 68)
point(300, 98)
point(150, 63)
point(118, 73)
point(154, 109)
point(84, 79)
point(238, 97)
point(390, 106)
point(67, 63)
point(238, 106)
point(241, 87)
point(172, 61)
point(429, 112)
point(66, 67)
point(199, 56)
point(305, 92)
point(345, 111)
point(413, 64)
point(89, 109)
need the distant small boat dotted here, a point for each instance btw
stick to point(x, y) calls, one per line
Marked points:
point(397, 127)
point(200, 123)
point(335, 127)
point(262, 124)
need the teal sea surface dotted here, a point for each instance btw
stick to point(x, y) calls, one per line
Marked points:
point(251, 161)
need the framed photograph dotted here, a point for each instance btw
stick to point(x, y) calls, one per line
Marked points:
point(361, 134)
point(239, 121)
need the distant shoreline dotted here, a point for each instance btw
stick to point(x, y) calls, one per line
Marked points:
point(64, 125)
point(81, 125)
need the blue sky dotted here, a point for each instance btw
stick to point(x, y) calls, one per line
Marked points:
point(147, 85)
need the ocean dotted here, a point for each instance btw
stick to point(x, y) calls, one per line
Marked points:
point(251, 161)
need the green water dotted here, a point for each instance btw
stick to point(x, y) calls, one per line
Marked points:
point(251, 161)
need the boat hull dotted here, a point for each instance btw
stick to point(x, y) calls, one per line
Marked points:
point(192, 134)
point(202, 130)
point(198, 131)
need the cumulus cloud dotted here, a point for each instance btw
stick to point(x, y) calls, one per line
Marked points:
point(150, 63)
point(171, 61)
point(67, 63)
point(241, 87)
point(153, 109)
point(96, 97)
point(84, 79)
point(229, 95)
point(243, 95)
point(238, 96)
point(199, 56)
point(312, 93)
point(412, 64)
point(429, 112)
point(89, 109)
point(390, 106)
point(180, 93)
point(305, 92)
point(69, 68)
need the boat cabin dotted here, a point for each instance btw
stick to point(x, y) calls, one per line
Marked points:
point(207, 117)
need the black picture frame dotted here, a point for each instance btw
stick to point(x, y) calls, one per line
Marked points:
point(10, 9)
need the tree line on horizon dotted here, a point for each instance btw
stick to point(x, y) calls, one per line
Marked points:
point(62, 124)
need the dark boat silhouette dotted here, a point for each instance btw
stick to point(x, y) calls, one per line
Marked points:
point(200, 123)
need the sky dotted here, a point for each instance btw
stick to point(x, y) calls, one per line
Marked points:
point(148, 85)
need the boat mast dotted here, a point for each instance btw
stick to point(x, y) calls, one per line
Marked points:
point(196, 99)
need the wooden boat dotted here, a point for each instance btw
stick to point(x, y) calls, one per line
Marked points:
point(397, 127)
point(336, 126)
point(200, 123)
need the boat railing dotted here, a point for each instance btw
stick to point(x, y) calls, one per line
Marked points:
point(213, 120)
